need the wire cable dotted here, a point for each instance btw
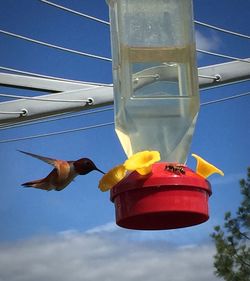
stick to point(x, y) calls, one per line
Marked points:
point(54, 46)
point(86, 101)
point(58, 133)
point(46, 119)
point(30, 123)
point(52, 77)
point(104, 124)
point(12, 112)
point(221, 29)
point(81, 82)
point(11, 124)
point(107, 23)
point(75, 12)
point(53, 119)
point(222, 56)
point(104, 58)
point(225, 99)
point(216, 78)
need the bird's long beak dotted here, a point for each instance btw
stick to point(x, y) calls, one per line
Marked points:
point(100, 171)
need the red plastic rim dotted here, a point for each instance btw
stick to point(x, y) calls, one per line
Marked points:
point(165, 199)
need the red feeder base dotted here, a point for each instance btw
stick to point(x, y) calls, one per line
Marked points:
point(168, 198)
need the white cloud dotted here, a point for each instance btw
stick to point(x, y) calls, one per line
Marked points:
point(92, 257)
point(233, 178)
point(198, 234)
point(108, 227)
point(207, 43)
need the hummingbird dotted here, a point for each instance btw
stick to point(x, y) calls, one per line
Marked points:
point(62, 174)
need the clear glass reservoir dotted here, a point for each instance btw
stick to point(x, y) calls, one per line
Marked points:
point(155, 76)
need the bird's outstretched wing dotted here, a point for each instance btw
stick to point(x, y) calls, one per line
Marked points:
point(47, 160)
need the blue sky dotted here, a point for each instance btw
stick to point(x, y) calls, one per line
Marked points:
point(80, 215)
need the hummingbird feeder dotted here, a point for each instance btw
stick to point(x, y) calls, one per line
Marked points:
point(162, 200)
point(156, 106)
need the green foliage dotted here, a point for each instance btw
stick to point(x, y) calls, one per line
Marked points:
point(232, 241)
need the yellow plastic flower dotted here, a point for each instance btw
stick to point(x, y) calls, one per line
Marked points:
point(142, 162)
point(112, 178)
point(205, 169)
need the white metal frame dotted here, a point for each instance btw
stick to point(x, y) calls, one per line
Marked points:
point(96, 95)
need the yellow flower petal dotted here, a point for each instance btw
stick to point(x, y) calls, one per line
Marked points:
point(112, 178)
point(205, 169)
point(144, 171)
point(142, 161)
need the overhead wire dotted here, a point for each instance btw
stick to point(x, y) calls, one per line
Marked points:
point(10, 124)
point(106, 124)
point(225, 99)
point(101, 57)
point(108, 59)
point(44, 99)
point(54, 46)
point(62, 117)
point(82, 82)
point(75, 12)
point(53, 119)
point(222, 55)
point(222, 29)
point(57, 133)
point(215, 78)
point(12, 112)
point(108, 23)
point(52, 77)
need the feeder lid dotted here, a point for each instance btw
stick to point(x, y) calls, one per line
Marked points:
point(162, 176)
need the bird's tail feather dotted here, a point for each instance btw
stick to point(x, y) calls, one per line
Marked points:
point(41, 184)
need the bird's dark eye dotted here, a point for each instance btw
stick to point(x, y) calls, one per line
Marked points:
point(87, 163)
